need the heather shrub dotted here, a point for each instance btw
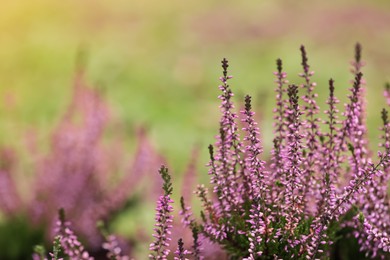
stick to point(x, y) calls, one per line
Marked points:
point(320, 178)
point(91, 176)
point(317, 181)
point(321, 182)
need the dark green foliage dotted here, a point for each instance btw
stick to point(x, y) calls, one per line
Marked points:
point(385, 117)
point(23, 236)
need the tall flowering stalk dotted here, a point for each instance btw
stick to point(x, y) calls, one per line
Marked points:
point(229, 149)
point(294, 182)
point(329, 168)
point(313, 134)
point(258, 190)
point(278, 167)
point(254, 167)
point(159, 248)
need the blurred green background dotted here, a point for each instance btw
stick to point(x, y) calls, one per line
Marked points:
point(158, 62)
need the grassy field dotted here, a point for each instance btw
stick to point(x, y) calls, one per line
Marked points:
point(158, 62)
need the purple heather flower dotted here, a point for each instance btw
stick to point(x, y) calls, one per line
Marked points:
point(310, 111)
point(372, 238)
point(295, 174)
point(374, 205)
point(186, 214)
point(357, 184)
point(329, 165)
point(113, 248)
point(181, 253)
point(281, 103)
point(229, 148)
point(159, 248)
point(317, 237)
point(254, 167)
point(278, 165)
point(258, 229)
point(70, 244)
point(212, 228)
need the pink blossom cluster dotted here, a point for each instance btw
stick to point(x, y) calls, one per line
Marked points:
point(70, 244)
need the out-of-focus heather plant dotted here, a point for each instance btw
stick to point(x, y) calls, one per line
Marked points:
point(68, 175)
point(87, 174)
